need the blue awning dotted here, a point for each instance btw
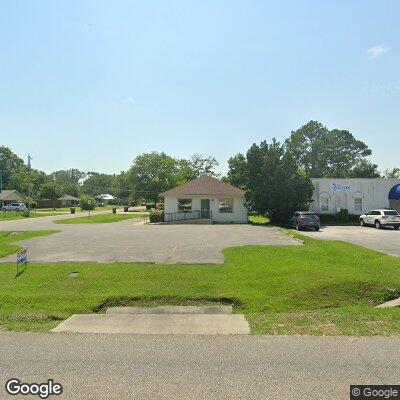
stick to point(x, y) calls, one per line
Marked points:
point(394, 193)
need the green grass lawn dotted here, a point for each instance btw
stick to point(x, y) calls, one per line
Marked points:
point(8, 239)
point(99, 219)
point(258, 220)
point(321, 288)
point(8, 216)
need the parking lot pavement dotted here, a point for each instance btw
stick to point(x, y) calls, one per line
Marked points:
point(132, 241)
point(386, 240)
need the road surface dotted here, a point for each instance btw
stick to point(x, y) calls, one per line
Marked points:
point(106, 367)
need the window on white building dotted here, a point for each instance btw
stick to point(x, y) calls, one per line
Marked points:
point(225, 205)
point(324, 203)
point(184, 204)
point(358, 204)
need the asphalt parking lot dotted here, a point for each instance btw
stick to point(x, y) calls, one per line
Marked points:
point(385, 240)
point(132, 241)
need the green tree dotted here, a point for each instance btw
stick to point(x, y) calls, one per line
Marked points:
point(330, 153)
point(97, 183)
point(276, 185)
point(10, 163)
point(203, 165)
point(237, 174)
point(22, 180)
point(151, 174)
point(50, 190)
point(364, 169)
point(392, 173)
point(68, 181)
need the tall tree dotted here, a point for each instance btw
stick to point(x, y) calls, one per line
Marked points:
point(276, 185)
point(68, 181)
point(237, 174)
point(330, 153)
point(151, 174)
point(50, 190)
point(96, 184)
point(10, 163)
point(392, 173)
point(203, 165)
point(22, 181)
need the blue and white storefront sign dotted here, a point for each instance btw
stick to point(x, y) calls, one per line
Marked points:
point(340, 187)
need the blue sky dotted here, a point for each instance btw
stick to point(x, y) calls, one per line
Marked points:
point(92, 84)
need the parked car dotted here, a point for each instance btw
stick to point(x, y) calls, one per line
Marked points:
point(17, 207)
point(381, 218)
point(304, 219)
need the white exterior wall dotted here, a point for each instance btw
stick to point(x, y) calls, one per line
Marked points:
point(239, 214)
point(341, 192)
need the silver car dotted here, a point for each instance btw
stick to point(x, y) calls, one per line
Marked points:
point(381, 218)
point(17, 207)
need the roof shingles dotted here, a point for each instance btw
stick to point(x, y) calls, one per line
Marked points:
point(205, 185)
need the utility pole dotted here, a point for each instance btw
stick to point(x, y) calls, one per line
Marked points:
point(29, 183)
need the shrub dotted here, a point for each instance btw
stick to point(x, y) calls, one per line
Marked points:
point(114, 210)
point(26, 213)
point(87, 202)
point(157, 216)
point(337, 218)
point(149, 206)
point(344, 215)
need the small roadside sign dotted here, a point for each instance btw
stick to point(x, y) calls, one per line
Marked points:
point(22, 259)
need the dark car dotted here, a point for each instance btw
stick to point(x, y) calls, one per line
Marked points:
point(304, 219)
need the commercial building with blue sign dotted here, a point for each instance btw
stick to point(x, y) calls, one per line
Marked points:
point(357, 195)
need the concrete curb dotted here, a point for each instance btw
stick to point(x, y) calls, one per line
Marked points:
point(157, 324)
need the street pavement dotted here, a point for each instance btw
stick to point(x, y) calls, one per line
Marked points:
point(132, 241)
point(384, 240)
point(94, 366)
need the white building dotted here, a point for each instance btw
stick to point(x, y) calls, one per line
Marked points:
point(205, 198)
point(357, 195)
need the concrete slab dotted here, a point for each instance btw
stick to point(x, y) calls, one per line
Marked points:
point(390, 304)
point(171, 310)
point(161, 324)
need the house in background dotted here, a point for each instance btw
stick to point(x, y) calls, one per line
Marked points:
point(68, 201)
point(11, 196)
point(65, 200)
point(206, 199)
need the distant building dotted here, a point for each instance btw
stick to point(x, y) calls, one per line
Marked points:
point(205, 198)
point(64, 201)
point(68, 201)
point(106, 198)
point(357, 195)
point(11, 196)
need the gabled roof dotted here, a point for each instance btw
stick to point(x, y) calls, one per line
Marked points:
point(11, 195)
point(68, 197)
point(205, 185)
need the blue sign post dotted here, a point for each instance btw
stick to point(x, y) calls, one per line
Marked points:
point(22, 259)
